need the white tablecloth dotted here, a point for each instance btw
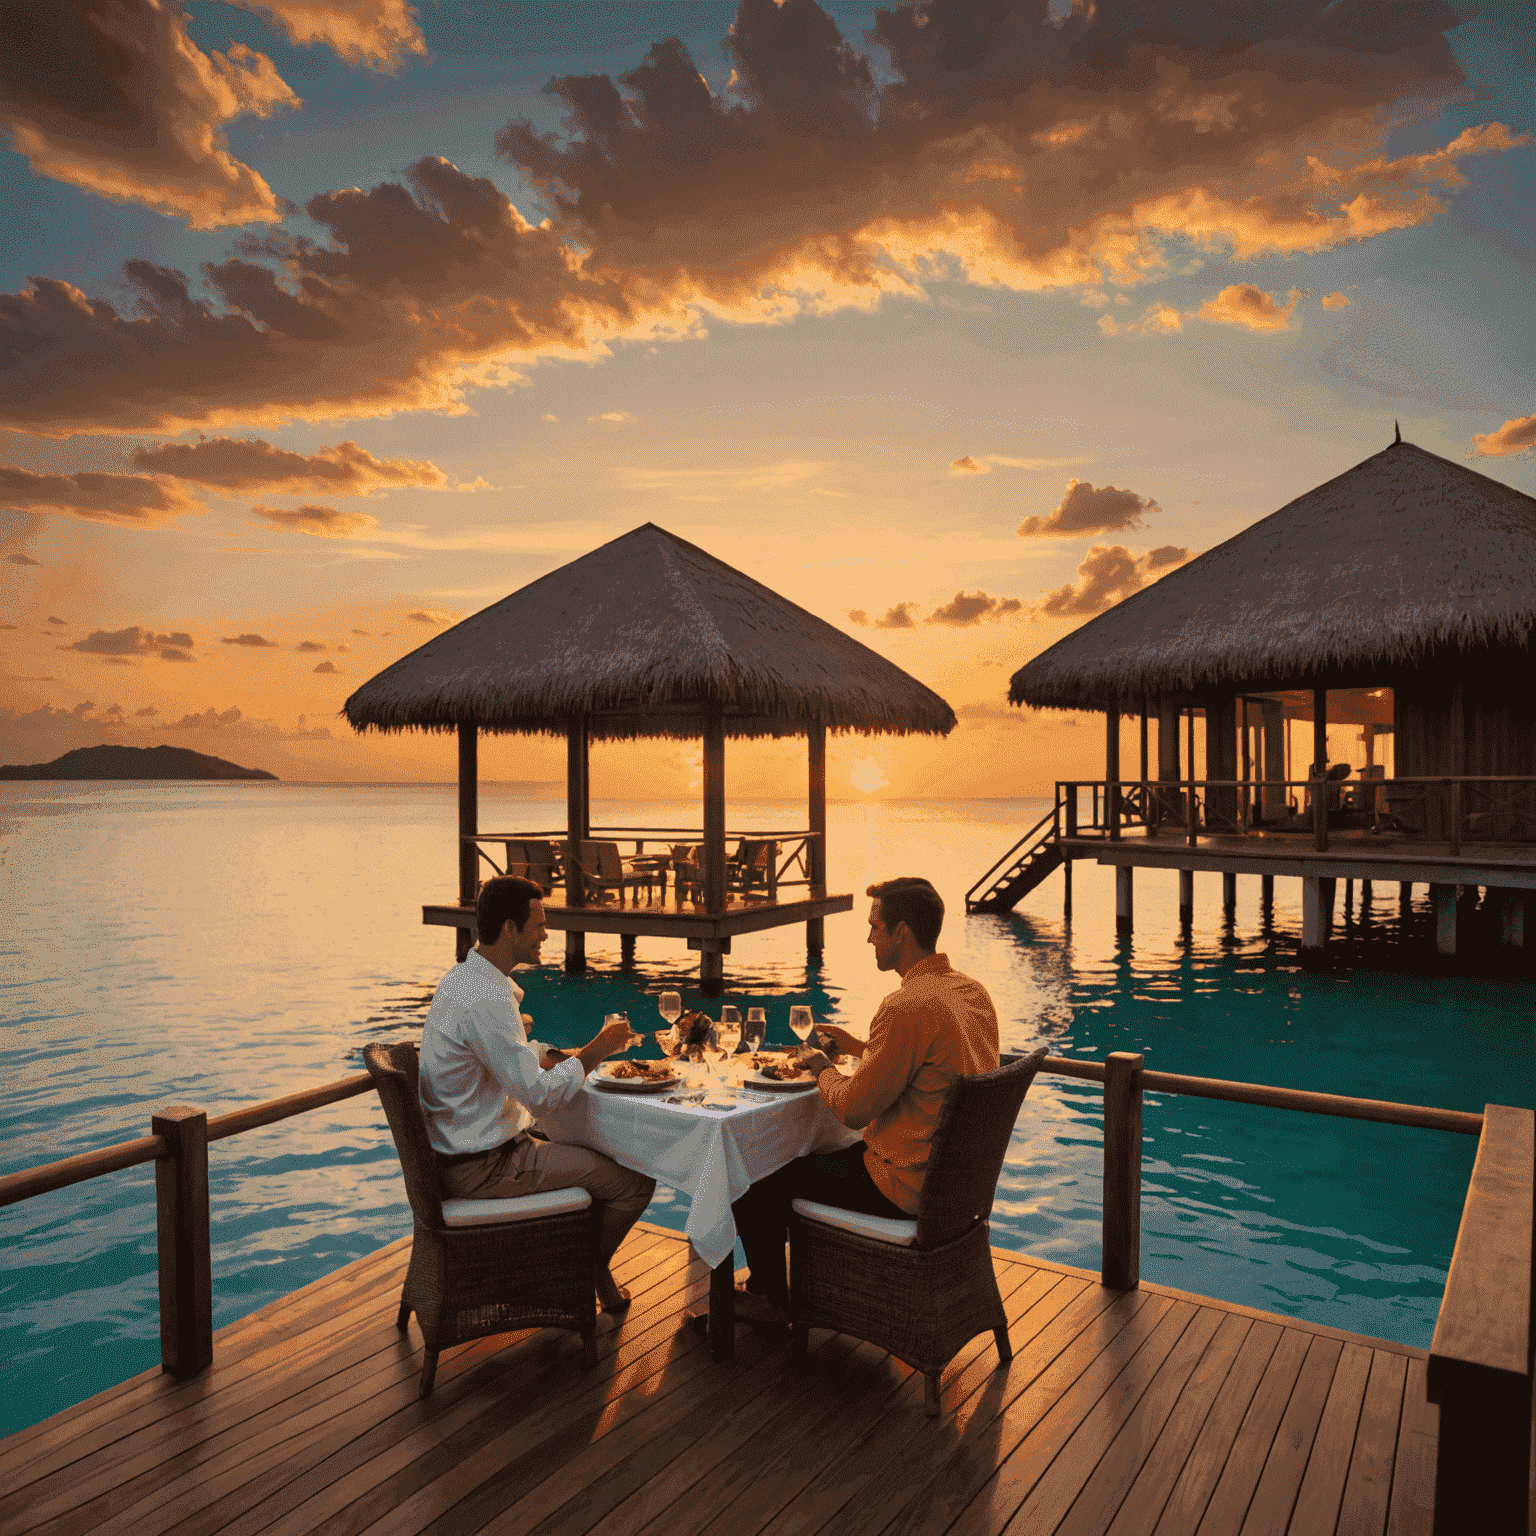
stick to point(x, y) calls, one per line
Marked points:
point(710, 1156)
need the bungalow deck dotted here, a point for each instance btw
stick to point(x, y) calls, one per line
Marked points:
point(1144, 1411)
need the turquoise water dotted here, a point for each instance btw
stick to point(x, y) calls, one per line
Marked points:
point(220, 944)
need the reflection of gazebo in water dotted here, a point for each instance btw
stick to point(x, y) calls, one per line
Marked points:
point(649, 636)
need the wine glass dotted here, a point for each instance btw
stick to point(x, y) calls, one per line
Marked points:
point(670, 1006)
point(800, 1022)
point(757, 1029)
point(622, 1018)
point(728, 1035)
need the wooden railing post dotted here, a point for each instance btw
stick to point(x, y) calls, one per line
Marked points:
point(1122, 1171)
point(1071, 810)
point(186, 1264)
point(1455, 817)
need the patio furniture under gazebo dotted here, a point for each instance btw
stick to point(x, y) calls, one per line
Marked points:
point(650, 636)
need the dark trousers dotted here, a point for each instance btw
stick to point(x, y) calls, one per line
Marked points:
point(762, 1214)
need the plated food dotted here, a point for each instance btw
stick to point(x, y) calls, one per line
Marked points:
point(636, 1076)
point(778, 1072)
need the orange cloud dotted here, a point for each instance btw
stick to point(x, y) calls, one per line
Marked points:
point(118, 100)
point(1157, 320)
point(1251, 308)
point(1517, 435)
point(1335, 300)
point(121, 643)
point(1086, 510)
point(1109, 574)
point(969, 466)
point(253, 642)
point(130, 501)
point(966, 608)
point(20, 559)
point(249, 464)
point(899, 617)
point(430, 616)
point(376, 34)
point(1020, 154)
point(322, 522)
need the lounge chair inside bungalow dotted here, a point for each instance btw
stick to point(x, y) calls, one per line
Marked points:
point(604, 869)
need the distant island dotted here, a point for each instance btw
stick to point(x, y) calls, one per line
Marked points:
point(108, 762)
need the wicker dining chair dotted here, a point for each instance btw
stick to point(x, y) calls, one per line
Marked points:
point(480, 1267)
point(923, 1288)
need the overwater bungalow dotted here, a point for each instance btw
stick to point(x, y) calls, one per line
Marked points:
point(1399, 599)
point(649, 636)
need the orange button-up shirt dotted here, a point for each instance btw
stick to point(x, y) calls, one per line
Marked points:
point(937, 1026)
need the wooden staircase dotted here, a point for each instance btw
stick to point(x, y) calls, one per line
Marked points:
point(1035, 855)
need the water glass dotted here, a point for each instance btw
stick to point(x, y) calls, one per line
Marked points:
point(728, 1035)
point(757, 1029)
point(800, 1022)
point(622, 1018)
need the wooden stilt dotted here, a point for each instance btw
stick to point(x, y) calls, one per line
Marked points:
point(1267, 893)
point(1314, 933)
point(816, 822)
point(1186, 897)
point(1228, 894)
point(1124, 908)
point(1328, 890)
point(1444, 897)
point(577, 826)
point(626, 949)
point(1066, 896)
point(711, 960)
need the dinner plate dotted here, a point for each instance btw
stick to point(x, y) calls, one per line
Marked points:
point(635, 1084)
point(799, 1085)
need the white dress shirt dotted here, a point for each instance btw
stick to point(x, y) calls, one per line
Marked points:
point(480, 1076)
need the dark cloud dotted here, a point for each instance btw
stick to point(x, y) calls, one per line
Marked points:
point(899, 617)
point(130, 501)
point(326, 666)
point(858, 616)
point(1109, 574)
point(256, 642)
point(429, 616)
point(250, 464)
point(234, 722)
point(1000, 147)
point(309, 646)
point(362, 632)
point(20, 559)
point(117, 99)
point(54, 620)
point(344, 650)
point(148, 712)
point(1084, 509)
point(966, 608)
point(322, 522)
point(134, 641)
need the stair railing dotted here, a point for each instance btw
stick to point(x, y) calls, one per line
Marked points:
point(1014, 859)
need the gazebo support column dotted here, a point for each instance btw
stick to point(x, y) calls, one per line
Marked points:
point(1273, 800)
point(1125, 905)
point(1186, 897)
point(1228, 894)
point(711, 959)
point(577, 815)
point(1168, 757)
point(1112, 768)
point(816, 821)
point(1319, 769)
point(469, 825)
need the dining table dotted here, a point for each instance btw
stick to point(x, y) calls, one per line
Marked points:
point(709, 1135)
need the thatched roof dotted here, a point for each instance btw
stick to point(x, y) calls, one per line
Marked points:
point(1404, 555)
point(638, 635)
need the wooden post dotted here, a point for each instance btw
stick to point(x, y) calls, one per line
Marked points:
point(1221, 761)
point(1267, 894)
point(714, 808)
point(469, 825)
point(1228, 894)
point(1444, 897)
point(577, 825)
point(1246, 764)
point(1066, 895)
point(1146, 792)
point(1455, 818)
point(1186, 897)
point(816, 821)
point(1071, 810)
point(1122, 1171)
point(1314, 933)
point(626, 950)
point(186, 1263)
point(1272, 801)
point(1112, 768)
point(1513, 918)
point(1124, 906)
point(1320, 769)
point(1167, 752)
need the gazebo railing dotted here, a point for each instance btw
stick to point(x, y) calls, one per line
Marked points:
point(1442, 808)
point(791, 868)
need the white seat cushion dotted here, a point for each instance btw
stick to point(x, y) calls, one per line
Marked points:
point(884, 1229)
point(491, 1213)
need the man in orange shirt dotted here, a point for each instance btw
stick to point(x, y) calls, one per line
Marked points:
point(938, 1025)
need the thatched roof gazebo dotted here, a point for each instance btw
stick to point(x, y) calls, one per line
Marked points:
point(1399, 596)
point(650, 636)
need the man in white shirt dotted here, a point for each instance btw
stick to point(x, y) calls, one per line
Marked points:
point(482, 1080)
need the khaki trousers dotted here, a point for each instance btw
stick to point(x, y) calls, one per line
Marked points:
point(527, 1166)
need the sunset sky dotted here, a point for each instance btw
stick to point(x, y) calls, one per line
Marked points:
point(329, 322)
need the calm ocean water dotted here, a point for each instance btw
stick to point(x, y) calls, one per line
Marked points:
point(219, 944)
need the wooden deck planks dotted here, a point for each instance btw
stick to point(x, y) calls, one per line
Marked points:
point(1126, 1413)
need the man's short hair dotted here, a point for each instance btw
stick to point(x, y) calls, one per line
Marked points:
point(506, 899)
point(911, 900)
